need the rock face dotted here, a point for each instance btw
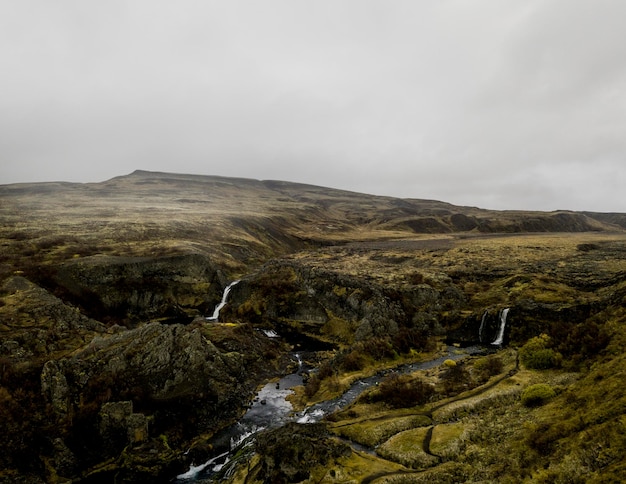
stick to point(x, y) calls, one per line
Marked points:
point(337, 306)
point(173, 375)
point(133, 289)
point(289, 453)
point(40, 324)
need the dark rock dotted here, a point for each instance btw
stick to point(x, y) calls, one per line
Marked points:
point(131, 289)
point(125, 388)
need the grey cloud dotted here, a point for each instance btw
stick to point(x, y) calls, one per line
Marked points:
point(494, 103)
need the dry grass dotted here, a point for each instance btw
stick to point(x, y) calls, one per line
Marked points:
point(241, 224)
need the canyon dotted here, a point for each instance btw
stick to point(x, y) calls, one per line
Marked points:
point(140, 316)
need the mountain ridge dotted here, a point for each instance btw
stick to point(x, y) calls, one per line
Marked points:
point(410, 215)
point(105, 288)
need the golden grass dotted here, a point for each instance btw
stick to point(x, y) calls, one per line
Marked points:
point(373, 432)
point(445, 439)
point(407, 448)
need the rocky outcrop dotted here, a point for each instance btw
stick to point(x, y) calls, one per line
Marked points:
point(337, 306)
point(34, 323)
point(123, 390)
point(290, 453)
point(526, 318)
point(134, 289)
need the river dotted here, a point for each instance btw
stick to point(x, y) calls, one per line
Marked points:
point(271, 409)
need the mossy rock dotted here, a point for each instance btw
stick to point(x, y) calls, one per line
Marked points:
point(291, 452)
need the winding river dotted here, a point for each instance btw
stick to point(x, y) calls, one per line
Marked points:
point(271, 409)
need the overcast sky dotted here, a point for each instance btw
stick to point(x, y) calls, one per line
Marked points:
point(504, 104)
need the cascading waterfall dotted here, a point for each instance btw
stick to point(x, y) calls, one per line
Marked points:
point(500, 338)
point(482, 326)
point(218, 308)
point(299, 360)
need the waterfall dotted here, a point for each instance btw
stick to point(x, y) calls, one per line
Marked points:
point(218, 308)
point(500, 338)
point(482, 327)
point(297, 355)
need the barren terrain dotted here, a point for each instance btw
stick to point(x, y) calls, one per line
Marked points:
point(109, 369)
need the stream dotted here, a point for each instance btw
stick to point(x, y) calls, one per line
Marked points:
point(271, 409)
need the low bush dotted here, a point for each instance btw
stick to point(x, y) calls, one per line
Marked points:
point(312, 386)
point(407, 339)
point(485, 368)
point(325, 370)
point(455, 378)
point(537, 354)
point(536, 395)
point(379, 348)
point(353, 361)
point(402, 391)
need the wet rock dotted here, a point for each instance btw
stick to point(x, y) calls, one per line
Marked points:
point(182, 382)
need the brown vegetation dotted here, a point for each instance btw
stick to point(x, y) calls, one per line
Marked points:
point(95, 279)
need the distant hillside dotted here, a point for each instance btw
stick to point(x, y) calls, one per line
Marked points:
point(111, 369)
point(300, 210)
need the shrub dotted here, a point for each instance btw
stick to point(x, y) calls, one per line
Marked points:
point(407, 339)
point(582, 342)
point(403, 391)
point(536, 395)
point(485, 368)
point(353, 361)
point(312, 386)
point(542, 359)
point(379, 348)
point(455, 378)
point(325, 370)
point(537, 354)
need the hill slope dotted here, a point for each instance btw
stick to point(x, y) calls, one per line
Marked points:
point(109, 369)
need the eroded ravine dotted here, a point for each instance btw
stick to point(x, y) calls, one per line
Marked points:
point(271, 409)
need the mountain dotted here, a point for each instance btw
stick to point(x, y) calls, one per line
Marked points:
point(110, 369)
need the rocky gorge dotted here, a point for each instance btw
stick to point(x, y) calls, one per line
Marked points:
point(112, 371)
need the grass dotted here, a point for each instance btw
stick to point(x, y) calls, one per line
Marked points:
point(406, 448)
point(372, 432)
point(445, 439)
point(486, 434)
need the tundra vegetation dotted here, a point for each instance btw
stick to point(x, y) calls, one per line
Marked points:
point(109, 369)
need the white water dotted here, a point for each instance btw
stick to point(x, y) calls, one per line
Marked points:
point(218, 308)
point(314, 416)
point(500, 338)
point(194, 470)
point(271, 409)
point(482, 327)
